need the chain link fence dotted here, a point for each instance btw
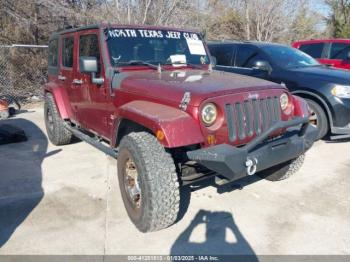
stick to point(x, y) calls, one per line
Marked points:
point(23, 71)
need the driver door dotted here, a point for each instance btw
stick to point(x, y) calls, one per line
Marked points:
point(245, 60)
point(93, 111)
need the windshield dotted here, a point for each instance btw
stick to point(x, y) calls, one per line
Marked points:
point(126, 46)
point(288, 57)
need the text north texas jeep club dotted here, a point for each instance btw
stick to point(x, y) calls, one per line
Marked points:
point(148, 96)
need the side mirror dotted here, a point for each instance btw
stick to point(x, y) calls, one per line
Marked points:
point(213, 61)
point(88, 64)
point(348, 56)
point(263, 66)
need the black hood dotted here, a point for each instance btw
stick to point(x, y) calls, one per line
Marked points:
point(323, 73)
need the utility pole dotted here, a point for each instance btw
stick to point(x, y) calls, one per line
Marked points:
point(197, 13)
point(129, 13)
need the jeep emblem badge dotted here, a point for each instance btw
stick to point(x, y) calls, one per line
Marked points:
point(253, 96)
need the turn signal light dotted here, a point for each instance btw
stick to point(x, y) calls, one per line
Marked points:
point(211, 139)
point(160, 135)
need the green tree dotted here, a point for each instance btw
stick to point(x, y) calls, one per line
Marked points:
point(339, 19)
point(305, 25)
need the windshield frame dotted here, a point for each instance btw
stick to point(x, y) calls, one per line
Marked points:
point(272, 59)
point(124, 64)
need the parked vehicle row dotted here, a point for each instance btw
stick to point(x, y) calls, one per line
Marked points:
point(332, 52)
point(148, 96)
point(327, 90)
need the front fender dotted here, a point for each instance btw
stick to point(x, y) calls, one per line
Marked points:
point(179, 128)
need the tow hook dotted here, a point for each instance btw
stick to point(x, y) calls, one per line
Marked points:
point(251, 165)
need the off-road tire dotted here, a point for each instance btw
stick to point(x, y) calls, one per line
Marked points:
point(284, 170)
point(57, 134)
point(160, 193)
point(322, 120)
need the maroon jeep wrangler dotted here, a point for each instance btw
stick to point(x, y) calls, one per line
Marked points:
point(148, 96)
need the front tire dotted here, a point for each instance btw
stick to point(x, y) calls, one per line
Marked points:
point(318, 118)
point(55, 129)
point(148, 182)
point(284, 170)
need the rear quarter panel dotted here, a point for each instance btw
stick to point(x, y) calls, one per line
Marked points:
point(61, 98)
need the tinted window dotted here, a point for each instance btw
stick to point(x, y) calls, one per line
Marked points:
point(88, 46)
point(314, 50)
point(223, 54)
point(339, 51)
point(247, 56)
point(53, 53)
point(288, 57)
point(67, 52)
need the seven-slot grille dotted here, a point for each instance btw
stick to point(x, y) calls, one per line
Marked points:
point(251, 116)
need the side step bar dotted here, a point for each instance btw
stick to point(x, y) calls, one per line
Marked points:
point(92, 141)
point(340, 137)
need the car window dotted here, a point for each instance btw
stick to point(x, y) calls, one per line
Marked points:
point(67, 52)
point(88, 46)
point(339, 51)
point(53, 53)
point(247, 56)
point(314, 50)
point(223, 54)
point(288, 57)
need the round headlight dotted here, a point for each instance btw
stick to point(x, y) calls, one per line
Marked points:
point(209, 114)
point(284, 100)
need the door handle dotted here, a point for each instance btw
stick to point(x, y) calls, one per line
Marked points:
point(77, 81)
point(61, 77)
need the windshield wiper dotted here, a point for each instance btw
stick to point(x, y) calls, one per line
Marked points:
point(139, 62)
point(187, 64)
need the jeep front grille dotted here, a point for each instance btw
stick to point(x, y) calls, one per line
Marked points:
point(251, 117)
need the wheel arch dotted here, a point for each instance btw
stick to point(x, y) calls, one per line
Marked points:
point(126, 126)
point(319, 100)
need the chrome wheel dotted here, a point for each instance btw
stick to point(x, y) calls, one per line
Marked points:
point(132, 184)
point(313, 118)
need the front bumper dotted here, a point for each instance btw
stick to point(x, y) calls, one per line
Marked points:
point(341, 115)
point(231, 162)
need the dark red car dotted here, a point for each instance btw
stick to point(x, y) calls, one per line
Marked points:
point(333, 52)
point(148, 96)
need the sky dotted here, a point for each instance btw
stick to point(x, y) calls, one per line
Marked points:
point(322, 8)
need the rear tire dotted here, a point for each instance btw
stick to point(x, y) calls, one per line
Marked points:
point(148, 182)
point(284, 170)
point(318, 118)
point(57, 133)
